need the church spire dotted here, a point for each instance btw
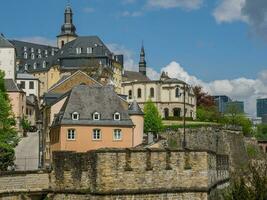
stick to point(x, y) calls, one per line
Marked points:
point(142, 62)
point(68, 27)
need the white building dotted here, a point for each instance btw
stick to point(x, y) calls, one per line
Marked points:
point(7, 58)
point(28, 83)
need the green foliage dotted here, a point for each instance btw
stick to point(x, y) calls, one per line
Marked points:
point(25, 124)
point(152, 119)
point(261, 132)
point(8, 135)
point(252, 151)
point(208, 114)
point(7, 155)
point(174, 118)
point(251, 184)
point(191, 126)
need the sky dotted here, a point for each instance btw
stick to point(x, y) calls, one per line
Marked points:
point(218, 44)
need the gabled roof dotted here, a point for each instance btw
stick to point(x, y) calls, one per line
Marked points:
point(11, 86)
point(134, 109)
point(65, 78)
point(4, 43)
point(86, 100)
point(134, 76)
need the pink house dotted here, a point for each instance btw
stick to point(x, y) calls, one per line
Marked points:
point(92, 117)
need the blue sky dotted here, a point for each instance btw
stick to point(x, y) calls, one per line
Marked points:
point(209, 39)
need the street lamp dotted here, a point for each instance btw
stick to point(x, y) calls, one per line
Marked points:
point(39, 127)
point(185, 88)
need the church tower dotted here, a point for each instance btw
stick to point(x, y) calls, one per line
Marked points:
point(142, 62)
point(68, 30)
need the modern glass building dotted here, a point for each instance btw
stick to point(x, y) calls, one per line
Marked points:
point(234, 107)
point(261, 107)
point(220, 102)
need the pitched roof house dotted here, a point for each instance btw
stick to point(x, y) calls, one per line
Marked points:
point(93, 117)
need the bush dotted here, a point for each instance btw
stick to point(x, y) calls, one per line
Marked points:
point(172, 118)
point(152, 119)
point(7, 155)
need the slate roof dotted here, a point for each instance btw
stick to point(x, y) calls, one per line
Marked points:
point(4, 43)
point(134, 109)
point(87, 100)
point(26, 76)
point(134, 76)
point(11, 86)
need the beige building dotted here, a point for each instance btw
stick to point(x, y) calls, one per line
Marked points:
point(18, 102)
point(167, 93)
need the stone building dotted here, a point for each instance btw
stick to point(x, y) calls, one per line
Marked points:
point(167, 93)
point(7, 58)
point(50, 63)
point(93, 117)
point(29, 84)
point(18, 102)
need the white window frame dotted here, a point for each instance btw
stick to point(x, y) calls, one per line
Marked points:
point(96, 114)
point(25, 48)
point(44, 64)
point(116, 133)
point(34, 65)
point(75, 116)
point(25, 56)
point(71, 134)
point(78, 50)
point(117, 114)
point(97, 135)
point(32, 56)
point(89, 50)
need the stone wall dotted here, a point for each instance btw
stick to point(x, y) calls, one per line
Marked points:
point(123, 174)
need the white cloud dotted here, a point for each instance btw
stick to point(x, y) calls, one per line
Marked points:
point(243, 89)
point(229, 11)
point(186, 4)
point(131, 14)
point(38, 40)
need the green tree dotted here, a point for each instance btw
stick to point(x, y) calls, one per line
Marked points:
point(8, 135)
point(152, 119)
point(261, 132)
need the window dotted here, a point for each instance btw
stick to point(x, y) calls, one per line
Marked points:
point(32, 49)
point(31, 85)
point(44, 64)
point(34, 65)
point(96, 134)
point(53, 52)
point(177, 92)
point(89, 50)
point(25, 48)
point(39, 50)
point(22, 84)
point(71, 134)
point(152, 92)
point(96, 116)
point(26, 66)
point(62, 43)
point(46, 52)
point(32, 56)
point(130, 95)
point(25, 56)
point(117, 116)
point(75, 116)
point(117, 135)
point(78, 50)
point(39, 55)
point(139, 93)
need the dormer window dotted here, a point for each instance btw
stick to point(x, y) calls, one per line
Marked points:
point(53, 52)
point(39, 50)
point(32, 56)
point(44, 64)
point(26, 66)
point(96, 116)
point(78, 50)
point(32, 50)
point(25, 48)
point(46, 52)
point(75, 116)
point(89, 50)
point(25, 55)
point(117, 116)
point(34, 65)
point(39, 55)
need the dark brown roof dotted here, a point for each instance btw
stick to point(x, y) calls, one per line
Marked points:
point(134, 76)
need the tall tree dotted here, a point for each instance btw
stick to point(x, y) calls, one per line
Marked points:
point(203, 98)
point(8, 135)
point(152, 119)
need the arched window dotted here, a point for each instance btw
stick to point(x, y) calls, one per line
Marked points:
point(62, 43)
point(117, 116)
point(177, 92)
point(32, 56)
point(130, 94)
point(96, 116)
point(152, 93)
point(25, 55)
point(34, 65)
point(139, 93)
point(75, 116)
point(44, 64)
point(26, 66)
